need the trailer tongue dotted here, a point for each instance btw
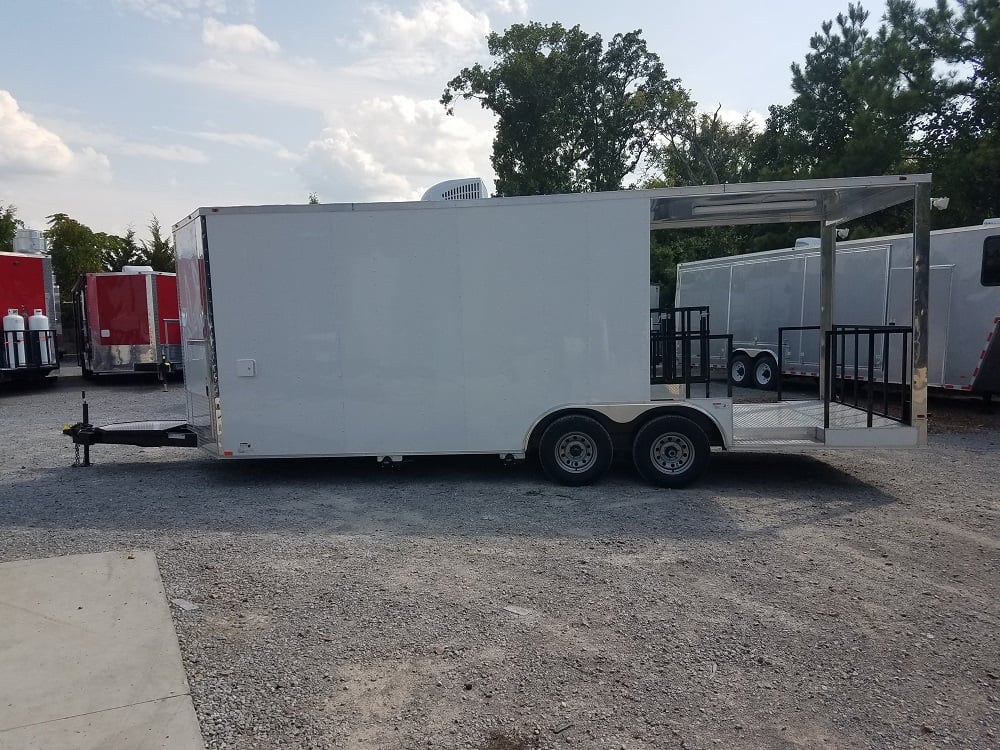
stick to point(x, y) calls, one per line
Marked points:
point(146, 434)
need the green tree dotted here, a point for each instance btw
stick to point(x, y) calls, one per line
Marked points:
point(921, 94)
point(960, 140)
point(74, 250)
point(9, 224)
point(572, 115)
point(118, 252)
point(853, 110)
point(313, 199)
point(704, 149)
point(159, 251)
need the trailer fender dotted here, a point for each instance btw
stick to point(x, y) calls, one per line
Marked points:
point(623, 421)
point(753, 352)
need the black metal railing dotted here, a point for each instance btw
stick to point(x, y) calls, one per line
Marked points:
point(859, 369)
point(679, 353)
point(25, 350)
point(781, 351)
point(863, 354)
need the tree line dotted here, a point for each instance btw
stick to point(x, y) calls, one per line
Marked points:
point(76, 249)
point(918, 91)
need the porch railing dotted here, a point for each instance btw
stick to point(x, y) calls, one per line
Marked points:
point(861, 371)
point(679, 352)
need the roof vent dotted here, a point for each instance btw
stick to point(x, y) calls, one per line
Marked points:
point(137, 269)
point(992, 221)
point(802, 242)
point(470, 188)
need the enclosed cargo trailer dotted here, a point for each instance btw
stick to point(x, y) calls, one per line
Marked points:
point(28, 304)
point(753, 296)
point(128, 321)
point(499, 326)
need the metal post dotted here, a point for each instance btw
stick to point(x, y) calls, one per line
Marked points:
point(871, 375)
point(921, 297)
point(781, 359)
point(826, 339)
point(828, 269)
point(86, 421)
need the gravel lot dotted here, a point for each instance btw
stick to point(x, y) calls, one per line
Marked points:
point(836, 600)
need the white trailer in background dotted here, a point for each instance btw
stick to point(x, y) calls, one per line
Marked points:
point(497, 326)
point(752, 296)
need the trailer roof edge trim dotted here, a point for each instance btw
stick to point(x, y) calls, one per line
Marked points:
point(832, 201)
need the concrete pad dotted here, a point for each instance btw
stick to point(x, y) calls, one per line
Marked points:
point(84, 634)
point(167, 724)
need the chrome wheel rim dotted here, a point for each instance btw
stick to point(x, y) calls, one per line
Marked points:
point(672, 453)
point(576, 452)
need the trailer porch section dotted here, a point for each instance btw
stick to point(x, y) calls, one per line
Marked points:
point(831, 422)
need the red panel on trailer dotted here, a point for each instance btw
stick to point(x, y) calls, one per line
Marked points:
point(167, 313)
point(119, 308)
point(22, 283)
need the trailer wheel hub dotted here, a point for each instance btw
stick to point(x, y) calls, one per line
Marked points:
point(576, 452)
point(671, 453)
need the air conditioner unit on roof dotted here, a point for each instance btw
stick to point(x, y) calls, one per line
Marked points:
point(470, 188)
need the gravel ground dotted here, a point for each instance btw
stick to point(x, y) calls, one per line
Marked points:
point(836, 600)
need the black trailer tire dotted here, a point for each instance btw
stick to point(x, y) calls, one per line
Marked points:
point(765, 372)
point(575, 450)
point(741, 371)
point(671, 451)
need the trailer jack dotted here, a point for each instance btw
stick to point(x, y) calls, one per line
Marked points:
point(82, 434)
point(163, 370)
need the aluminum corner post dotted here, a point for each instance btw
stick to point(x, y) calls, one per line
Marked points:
point(921, 296)
point(828, 272)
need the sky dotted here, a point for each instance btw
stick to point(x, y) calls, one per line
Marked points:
point(112, 111)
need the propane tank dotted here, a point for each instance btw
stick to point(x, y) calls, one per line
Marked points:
point(39, 322)
point(13, 337)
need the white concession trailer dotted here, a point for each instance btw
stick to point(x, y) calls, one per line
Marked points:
point(494, 326)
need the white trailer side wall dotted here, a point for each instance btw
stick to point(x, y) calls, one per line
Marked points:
point(423, 328)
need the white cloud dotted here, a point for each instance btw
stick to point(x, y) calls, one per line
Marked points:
point(75, 132)
point(393, 148)
point(435, 36)
point(243, 38)
point(298, 83)
point(245, 140)
point(169, 152)
point(172, 10)
point(510, 7)
point(28, 148)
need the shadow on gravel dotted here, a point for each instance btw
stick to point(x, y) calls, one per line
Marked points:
point(431, 496)
point(12, 388)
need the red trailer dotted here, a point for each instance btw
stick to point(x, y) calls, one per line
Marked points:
point(30, 313)
point(128, 322)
